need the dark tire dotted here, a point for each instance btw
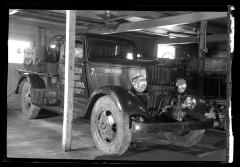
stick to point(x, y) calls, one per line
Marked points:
point(110, 127)
point(185, 139)
point(29, 110)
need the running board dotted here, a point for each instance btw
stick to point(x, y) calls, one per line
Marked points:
point(158, 127)
point(59, 109)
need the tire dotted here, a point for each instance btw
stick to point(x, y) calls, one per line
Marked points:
point(186, 139)
point(29, 110)
point(106, 118)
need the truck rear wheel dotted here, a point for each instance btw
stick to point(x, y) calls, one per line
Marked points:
point(110, 127)
point(29, 110)
point(185, 138)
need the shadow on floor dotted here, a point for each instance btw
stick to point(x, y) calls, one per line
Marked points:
point(84, 148)
point(144, 147)
point(47, 114)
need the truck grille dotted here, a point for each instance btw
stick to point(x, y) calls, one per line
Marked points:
point(159, 84)
point(153, 102)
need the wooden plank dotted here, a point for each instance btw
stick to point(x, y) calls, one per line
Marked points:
point(69, 79)
point(172, 41)
point(203, 38)
point(210, 38)
point(172, 20)
point(212, 29)
point(202, 51)
point(217, 38)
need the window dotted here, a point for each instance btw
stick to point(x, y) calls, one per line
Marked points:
point(129, 56)
point(78, 50)
point(166, 51)
point(110, 49)
point(16, 51)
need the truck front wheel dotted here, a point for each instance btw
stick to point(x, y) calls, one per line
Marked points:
point(110, 127)
point(29, 110)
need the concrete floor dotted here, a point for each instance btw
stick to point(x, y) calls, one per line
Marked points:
point(42, 138)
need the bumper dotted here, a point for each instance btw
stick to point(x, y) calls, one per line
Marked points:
point(159, 127)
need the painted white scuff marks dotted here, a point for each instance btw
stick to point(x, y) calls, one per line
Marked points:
point(231, 139)
point(232, 32)
point(231, 49)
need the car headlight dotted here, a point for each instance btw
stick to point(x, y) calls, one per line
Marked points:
point(139, 83)
point(181, 84)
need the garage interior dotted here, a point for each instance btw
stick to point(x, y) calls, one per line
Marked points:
point(42, 138)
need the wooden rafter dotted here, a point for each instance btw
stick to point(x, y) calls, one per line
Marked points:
point(34, 21)
point(172, 20)
point(210, 38)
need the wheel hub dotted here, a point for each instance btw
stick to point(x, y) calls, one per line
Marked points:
point(106, 126)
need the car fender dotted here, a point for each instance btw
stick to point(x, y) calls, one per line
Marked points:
point(123, 99)
point(35, 80)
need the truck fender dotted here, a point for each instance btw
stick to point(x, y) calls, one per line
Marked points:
point(124, 100)
point(35, 80)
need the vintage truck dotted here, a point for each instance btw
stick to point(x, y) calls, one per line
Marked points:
point(124, 94)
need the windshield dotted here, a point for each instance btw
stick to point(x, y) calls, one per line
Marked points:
point(110, 49)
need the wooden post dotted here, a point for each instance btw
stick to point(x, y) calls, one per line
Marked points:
point(202, 52)
point(69, 79)
point(41, 38)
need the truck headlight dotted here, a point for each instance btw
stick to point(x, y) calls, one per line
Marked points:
point(139, 83)
point(181, 84)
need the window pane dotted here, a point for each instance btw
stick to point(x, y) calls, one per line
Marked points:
point(16, 50)
point(79, 50)
point(166, 52)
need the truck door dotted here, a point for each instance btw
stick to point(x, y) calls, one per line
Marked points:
point(80, 82)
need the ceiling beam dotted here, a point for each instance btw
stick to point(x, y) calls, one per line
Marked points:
point(13, 11)
point(172, 20)
point(61, 15)
point(40, 22)
point(210, 39)
point(135, 35)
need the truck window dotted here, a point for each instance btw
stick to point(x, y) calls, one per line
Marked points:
point(79, 50)
point(109, 49)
